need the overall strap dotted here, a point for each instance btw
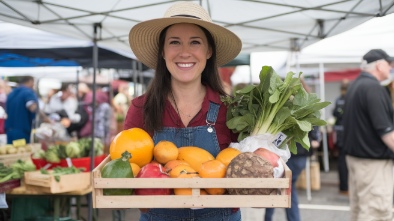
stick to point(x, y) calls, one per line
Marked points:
point(212, 113)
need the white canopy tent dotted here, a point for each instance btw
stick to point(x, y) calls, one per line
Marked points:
point(262, 25)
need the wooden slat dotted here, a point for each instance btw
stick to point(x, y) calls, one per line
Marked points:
point(191, 183)
point(202, 201)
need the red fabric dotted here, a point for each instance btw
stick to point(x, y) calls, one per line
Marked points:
point(135, 117)
point(332, 76)
point(225, 74)
point(2, 130)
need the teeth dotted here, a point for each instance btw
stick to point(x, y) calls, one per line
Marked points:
point(185, 65)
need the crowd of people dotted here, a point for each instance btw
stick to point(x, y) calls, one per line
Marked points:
point(69, 106)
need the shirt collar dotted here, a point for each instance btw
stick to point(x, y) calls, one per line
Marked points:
point(368, 75)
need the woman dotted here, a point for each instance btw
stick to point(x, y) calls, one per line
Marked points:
point(182, 103)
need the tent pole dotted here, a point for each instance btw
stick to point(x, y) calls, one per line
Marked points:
point(96, 26)
point(323, 116)
point(77, 82)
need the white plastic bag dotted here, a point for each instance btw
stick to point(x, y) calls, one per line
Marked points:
point(269, 142)
point(52, 132)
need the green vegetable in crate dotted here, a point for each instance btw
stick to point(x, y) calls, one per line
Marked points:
point(52, 154)
point(21, 166)
point(73, 150)
point(118, 168)
point(58, 171)
point(16, 170)
point(39, 154)
point(85, 144)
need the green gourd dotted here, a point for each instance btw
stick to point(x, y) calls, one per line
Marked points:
point(118, 168)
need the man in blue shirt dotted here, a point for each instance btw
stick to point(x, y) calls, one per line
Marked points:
point(21, 108)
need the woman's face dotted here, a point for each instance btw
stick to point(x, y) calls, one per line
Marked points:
point(186, 51)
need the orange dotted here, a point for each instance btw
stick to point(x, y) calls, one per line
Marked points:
point(136, 169)
point(135, 140)
point(165, 151)
point(203, 192)
point(226, 155)
point(186, 191)
point(173, 163)
point(176, 171)
point(213, 169)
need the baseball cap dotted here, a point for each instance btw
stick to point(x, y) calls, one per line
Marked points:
point(377, 54)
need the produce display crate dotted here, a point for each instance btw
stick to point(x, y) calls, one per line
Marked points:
point(195, 200)
point(47, 183)
point(82, 162)
point(9, 185)
point(8, 159)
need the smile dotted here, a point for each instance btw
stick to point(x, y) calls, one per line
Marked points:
point(185, 65)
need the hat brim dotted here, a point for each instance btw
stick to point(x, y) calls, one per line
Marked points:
point(144, 39)
point(390, 60)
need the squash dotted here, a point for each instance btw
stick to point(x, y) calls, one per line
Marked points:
point(136, 141)
point(118, 168)
point(194, 156)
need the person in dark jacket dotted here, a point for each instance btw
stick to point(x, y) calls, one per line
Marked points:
point(369, 140)
point(338, 129)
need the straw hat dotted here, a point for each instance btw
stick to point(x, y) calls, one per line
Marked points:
point(144, 37)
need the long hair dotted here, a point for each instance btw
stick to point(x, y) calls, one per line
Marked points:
point(160, 86)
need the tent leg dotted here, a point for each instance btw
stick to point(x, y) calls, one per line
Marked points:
point(96, 26)
point(323, 116)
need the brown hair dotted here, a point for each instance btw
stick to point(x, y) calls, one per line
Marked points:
point(160, 86)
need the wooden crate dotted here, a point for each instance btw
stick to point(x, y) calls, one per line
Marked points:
point(8, 159)
point(195, 200)
point(47, 183)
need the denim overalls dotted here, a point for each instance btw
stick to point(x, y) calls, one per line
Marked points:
point(204, 137)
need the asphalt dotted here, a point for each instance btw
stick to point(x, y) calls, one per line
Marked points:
point(325, 204)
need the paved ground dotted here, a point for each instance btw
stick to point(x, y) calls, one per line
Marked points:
point(326, 204)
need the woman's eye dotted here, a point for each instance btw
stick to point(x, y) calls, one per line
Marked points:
point(174, 42)
point(195, 42)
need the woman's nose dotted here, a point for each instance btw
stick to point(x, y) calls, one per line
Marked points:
point(185, 50)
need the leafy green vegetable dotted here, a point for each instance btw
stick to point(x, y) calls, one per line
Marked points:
point(52, 154)
point(73, 150)
point(273, 106)
point(86, 143)
point(15, 170)
point(57, 172)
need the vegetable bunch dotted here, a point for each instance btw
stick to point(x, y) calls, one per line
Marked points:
point(273, 106)
point(57, 172)
point(15, 170)
point(73, 149)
